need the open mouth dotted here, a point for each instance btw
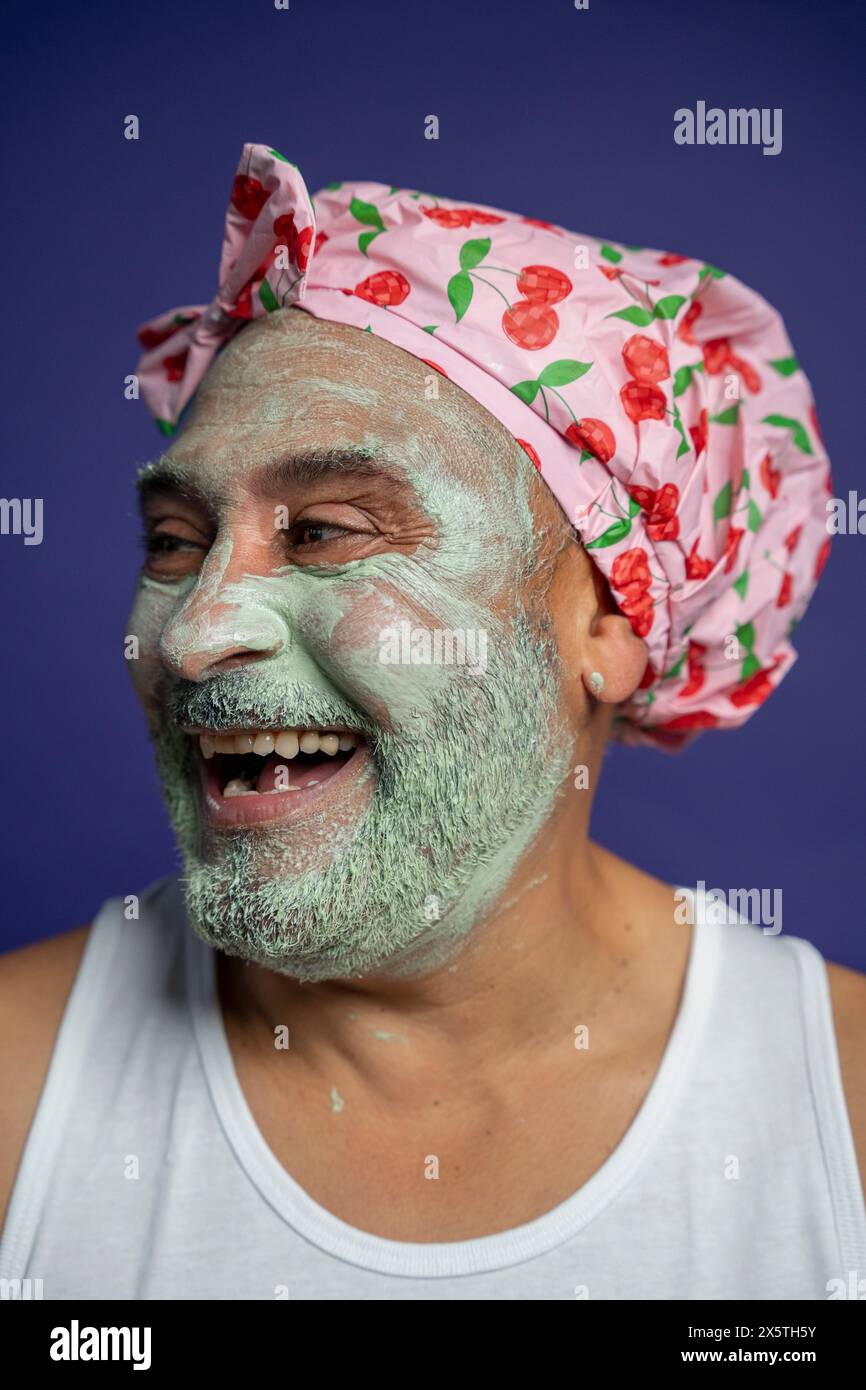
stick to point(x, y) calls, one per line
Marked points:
point(260, 774)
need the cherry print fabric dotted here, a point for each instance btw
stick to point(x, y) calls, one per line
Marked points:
point(658, 397)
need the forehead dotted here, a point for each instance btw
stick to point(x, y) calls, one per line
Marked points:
point(290, 382)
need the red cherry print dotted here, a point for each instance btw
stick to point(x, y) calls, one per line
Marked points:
point(751, 380)
point(609, 272)
point(754, 691)
point(663, 524)
point(639, 610)
point(697, 675)
point(152, 337)
point(286, 233)
point(700, 432)
point(321, 238)
point(785, 590)
point(484, 219)
point(386, 287)
point(696, 719)
point(296, 243)
point(434, 365)
point(529, 325)
point(770, 476)
point(697, 567)
point(528, 449)
point(684, 332)
point(642, 402)
point(244, 307)
point(644, 496)
point(732, 545)
point(648, 677)
point(543, 284)
point(792, 538)
point(536, 222)
point(717, 354)
point(646, 360)
point(630, 575)
point(594, 436)
point(823, 555)
point(449, 217)
point(670, 259)
point(173, 366)
point(630, 567)
point(248, 196)
point(302, 253)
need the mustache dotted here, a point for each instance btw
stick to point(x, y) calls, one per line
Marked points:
point(232, 701)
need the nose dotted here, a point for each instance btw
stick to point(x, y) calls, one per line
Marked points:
point(211, 632)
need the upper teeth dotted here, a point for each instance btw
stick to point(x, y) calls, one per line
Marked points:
point(286, 742)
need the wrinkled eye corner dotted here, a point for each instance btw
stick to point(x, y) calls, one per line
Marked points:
point(304, 534)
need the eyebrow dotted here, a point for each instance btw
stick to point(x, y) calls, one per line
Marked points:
point(165, 474)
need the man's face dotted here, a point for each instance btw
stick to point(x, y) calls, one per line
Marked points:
point(353, 699)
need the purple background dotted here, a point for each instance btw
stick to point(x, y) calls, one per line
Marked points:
point(559, 114)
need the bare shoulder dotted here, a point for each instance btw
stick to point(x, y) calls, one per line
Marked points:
point(35, 982)
point(848, 993)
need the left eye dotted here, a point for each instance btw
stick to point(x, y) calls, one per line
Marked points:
point(314, 532)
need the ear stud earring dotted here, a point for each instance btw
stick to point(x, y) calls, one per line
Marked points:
point(596, 683)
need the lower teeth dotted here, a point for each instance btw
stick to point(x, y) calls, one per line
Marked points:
point(238, 787)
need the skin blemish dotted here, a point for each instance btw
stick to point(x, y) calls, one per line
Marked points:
point(337, 1102)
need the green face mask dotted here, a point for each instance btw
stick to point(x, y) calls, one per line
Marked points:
point(465, 760)
point(461, 784)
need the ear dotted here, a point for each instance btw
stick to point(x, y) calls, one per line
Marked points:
point(598, 646)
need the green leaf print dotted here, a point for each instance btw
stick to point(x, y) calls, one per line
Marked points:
point(722, 504)
point(669, 307)
point(367, 213)
point(527, 391)
point(472, 253)
point(614, 533)
point(460, 293)
point(786, 366)
point(365, 238)
point(750, 666)
point(801, 438)
point(267, 296)
point(562, 372)
point(634, 314)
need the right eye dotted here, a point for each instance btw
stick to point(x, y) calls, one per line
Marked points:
point(169, 555)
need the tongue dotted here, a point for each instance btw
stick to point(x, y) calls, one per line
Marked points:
point(285, 775)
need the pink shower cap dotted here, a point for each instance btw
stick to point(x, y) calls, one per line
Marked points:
point(658, 397)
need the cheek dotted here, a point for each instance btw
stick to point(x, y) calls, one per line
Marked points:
point(144, 627)
point(363, 640)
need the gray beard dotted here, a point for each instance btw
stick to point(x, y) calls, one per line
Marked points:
point(456, 801)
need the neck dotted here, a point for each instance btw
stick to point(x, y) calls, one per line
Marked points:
point(559, 945)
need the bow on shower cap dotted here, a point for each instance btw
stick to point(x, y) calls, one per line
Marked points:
point(659, 399)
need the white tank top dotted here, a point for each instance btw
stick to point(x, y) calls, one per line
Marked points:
point(144, 1175)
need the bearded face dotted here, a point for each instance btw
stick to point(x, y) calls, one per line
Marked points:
point(329, 552)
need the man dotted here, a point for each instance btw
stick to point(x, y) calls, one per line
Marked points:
point(404, 1031)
